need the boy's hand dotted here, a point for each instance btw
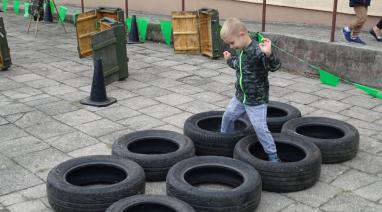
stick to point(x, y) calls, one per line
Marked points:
point(266, 47)
point(226, 55)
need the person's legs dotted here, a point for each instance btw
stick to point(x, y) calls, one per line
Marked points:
point(234, 110)
point(379, 25)
point(361, 17)
point(258, 117)
point(376, 31)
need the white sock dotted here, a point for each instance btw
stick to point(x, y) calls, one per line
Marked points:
point(347, 29)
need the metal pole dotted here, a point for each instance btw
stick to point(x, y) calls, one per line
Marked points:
point(183, 6)
point(334, 20)
point(264, 15)
point(82, 6)
point(127, 8)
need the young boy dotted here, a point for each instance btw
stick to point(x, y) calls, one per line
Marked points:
point(352, 31)
point(252, 87)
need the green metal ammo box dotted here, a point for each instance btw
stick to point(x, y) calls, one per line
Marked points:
point(209, 29)
point(5, 57)
point(110, 45)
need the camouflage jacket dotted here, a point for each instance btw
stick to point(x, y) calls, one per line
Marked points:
point(252, 86)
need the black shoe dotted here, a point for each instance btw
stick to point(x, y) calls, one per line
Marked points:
point(375, 35)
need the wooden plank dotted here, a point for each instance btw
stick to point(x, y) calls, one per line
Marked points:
point(205, 34)
point(85, 27)
point(186, 32)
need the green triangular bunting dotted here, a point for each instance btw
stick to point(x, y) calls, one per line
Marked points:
point(26, 9)
point(166, 27)
point(63, 11)
point(128, 23)
point(142, 28)
point(372, 91)
point(52, 7)
point(328, 78)
point(5, 5)
point(259, 38)
point(16, 6)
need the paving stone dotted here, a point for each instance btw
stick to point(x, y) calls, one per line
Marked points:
point(346, 202)
point(97, 149)
point(276, 91)
point(117, 112)
point(74, 96)
point(301, 98)
point(316, 195)
point(26, 77)
point(41, 162)
point(143, 77)
point(304, 87)
point(14, 177)
point(13, 109)
point(224, 78)
point(77, 117)
point(21, 93)
point(363, 124)
point(157, 188)
point(120, 94)
point(58, 90)
point(305, 109)
point(33, 98)
point(112, 137)
point(213, 65)
point(138, 65)
point(165, 83)
point(166, 63)
point(298, 207)
point(42, 101)
point(328, 114)
point(378, 108)
point(178, 119)
point(138, 102)
point(185, 67)
point(363, 114)
point(361, 101)
point(210, 73)
point(367, 132)
point(142, 122)
point(371, 192)
point(49, 129)
point(174, 99)
point(185, 89)
point(42, 83)
point(3, 121)
point(33, 206)
point(99, 127)
point(11, 199)
point(169, 127)
point(34, 192)
point(21, 146)
point(56, 108)
point(209, 97)
point(160, 111)
point(217, 87)
point(332, 94)
point(9, 85)
point(370, 145)
point(31, 119)
point(71, 141)
point(197, 107)
point(354, 179)
point(152, 92)
point(9, 131)
point(374, 163)
point(280, 82)
point(78, 82)
point(193, 80)
point(330, 105)
point(131, 84)
point(273, 202)
point(330, 172)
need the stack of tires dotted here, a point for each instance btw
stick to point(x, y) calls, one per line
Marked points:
point(194, 163)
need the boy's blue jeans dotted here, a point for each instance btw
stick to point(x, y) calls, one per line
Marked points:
point(258, 118)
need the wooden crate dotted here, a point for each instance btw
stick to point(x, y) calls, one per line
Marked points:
point(86, 25)
point(116, 14)
point(186, 32)
point(209, 30)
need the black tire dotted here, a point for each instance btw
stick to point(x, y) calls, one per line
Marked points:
point(93, 183)
point(204, 131)
point(184, 176)
point(150, 203)
point(337, 140)
point(300, 167)
point(155, 150)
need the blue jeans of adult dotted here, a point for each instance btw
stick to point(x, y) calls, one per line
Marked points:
point(258, 117)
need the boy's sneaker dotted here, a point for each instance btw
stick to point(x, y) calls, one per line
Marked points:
point(273, 158)
point(347, 33)
point(357, 40)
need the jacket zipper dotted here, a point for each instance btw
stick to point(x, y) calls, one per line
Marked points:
point(241, 78)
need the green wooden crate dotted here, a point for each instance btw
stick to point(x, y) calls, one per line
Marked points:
point(5, 56)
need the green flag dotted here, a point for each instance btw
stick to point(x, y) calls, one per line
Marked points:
point(63, 11)
point(128, 23)
point(52, 9)
point(328, 78)
point(142, 28)
point(5, 5)
point(16, 6)
point(166, 27)
point(371, 91)
point(26, 9)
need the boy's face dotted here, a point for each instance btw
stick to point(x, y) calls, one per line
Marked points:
point(236, 41)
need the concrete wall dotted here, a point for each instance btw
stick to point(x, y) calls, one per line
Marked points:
point(297, 11)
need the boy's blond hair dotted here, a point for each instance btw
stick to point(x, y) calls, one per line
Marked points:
point(232, 26)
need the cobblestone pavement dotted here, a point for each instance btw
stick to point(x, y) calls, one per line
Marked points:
point(42, 123)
